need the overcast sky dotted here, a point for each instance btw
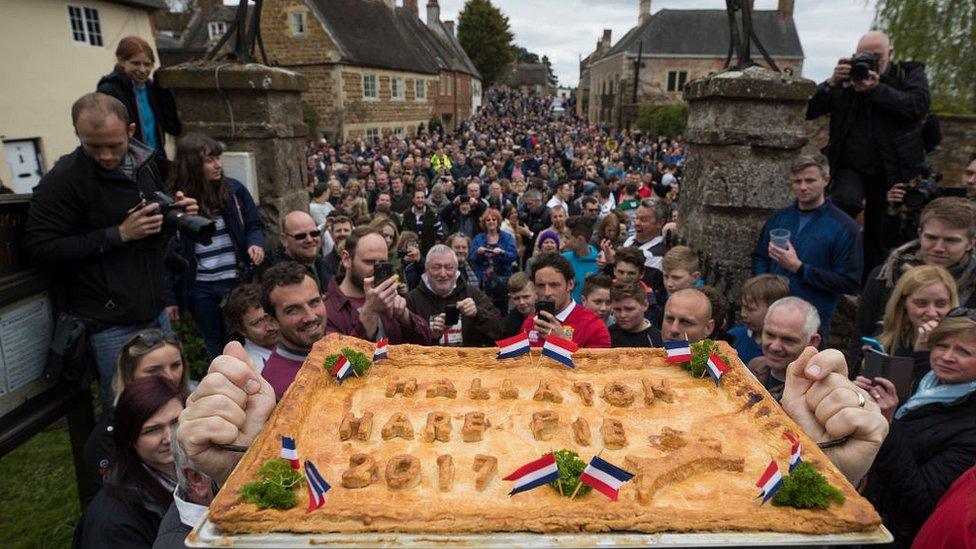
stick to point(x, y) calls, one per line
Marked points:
point(566, 29)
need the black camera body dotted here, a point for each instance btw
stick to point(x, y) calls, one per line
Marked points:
point(863, 63)
point(196, 227)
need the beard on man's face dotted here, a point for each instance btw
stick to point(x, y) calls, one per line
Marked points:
point(356, 277)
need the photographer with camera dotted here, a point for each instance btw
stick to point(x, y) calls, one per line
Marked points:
point(96, 222)
point(876, 109)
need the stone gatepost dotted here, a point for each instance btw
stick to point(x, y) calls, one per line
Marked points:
point(250, 108)
point(745, 128)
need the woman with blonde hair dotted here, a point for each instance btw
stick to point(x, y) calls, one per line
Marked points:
point(922, 298)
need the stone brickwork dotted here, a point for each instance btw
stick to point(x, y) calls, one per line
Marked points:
point(451, 108)
point(250, 108)
point(744, 130)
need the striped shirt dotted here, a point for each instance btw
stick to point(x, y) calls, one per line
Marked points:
point(216, 261)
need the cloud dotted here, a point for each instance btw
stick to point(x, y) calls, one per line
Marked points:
point(566, 30)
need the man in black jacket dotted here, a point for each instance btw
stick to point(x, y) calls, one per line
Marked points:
point(301, 241)
point(875, 133)
point(422, 220)
point(478, 323)
point(93, 223)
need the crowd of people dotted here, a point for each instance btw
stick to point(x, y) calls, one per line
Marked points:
point(516, 220)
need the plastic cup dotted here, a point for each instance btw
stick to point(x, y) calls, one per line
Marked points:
point(780, 238)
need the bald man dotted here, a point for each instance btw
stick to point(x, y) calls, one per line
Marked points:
point(301, 241)
point(876, 109)
point(687, 315)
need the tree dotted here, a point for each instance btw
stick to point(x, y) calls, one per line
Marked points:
point(484, 34)
point(523, 55)
point(553, 79)
point(942, 34)
point(667, 120)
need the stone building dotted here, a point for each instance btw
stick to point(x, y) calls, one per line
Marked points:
point(602, 47)
point(530, 78)
point(373, 68)
point(676, 47)
point(186, 36)
point(53, 53)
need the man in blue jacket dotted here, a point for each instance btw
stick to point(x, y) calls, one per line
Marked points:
point(822, 259)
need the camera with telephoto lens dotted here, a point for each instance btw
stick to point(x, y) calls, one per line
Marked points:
point(861, 64)
point(925, 188)
point(197, 227)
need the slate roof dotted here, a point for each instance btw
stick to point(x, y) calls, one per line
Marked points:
point(706, 33)
point(151, 5)
point(439, 42)
point(369, 33)
point(530, 74)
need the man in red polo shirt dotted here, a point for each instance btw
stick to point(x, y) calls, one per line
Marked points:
point(554, 280)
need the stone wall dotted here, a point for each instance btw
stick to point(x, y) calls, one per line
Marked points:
point(251, 108)
point(744, 130)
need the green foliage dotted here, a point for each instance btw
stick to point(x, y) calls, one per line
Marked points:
point(523, 55)
point(193, 348)
point(274, 490)
point(700, 351)
point(485, 36)
point(806, 488)
point(551, 74)
point(40, 498)
point(311, 118)
point(667, 120)
point(360, 362)
point(570, 468)
point(941, 34)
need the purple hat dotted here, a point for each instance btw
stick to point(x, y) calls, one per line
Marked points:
point(546, 235)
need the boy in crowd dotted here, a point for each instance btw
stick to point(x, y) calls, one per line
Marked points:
point(554, 280)
point(596, 296)
point(580, 253)
point(521, 302)
point(629, 266)
point(245, 315)
point(631, 328)
point(756, 295)
point(681, 270)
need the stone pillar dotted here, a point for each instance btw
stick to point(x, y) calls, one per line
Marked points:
point(250, 108)
point(745, 128)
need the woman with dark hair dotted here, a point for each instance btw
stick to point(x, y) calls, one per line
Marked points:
point(214, 269)
point(152, 352)
point(139, 487)
point(151, 108)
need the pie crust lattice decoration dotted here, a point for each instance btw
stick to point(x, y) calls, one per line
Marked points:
point(421, 443)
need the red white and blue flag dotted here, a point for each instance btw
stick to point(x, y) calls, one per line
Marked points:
point(380, 352)
point(534, 474)
point(678, 351)
point(342, 368)
point(605, 477)
point(514, 346)
point(317, 487)
point(770, 482)
point(560, 349)
point(794, 450)
point(716, 367)
point(289, 452)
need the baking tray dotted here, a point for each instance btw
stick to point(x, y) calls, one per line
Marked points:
point(207, 534)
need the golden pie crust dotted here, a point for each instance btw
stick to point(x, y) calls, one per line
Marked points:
point(697, 450)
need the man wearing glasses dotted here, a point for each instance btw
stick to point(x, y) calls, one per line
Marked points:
point(301, 241)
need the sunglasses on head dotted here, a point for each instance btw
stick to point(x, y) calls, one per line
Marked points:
point(963, 311)
point(302, 236)
point(153, 337)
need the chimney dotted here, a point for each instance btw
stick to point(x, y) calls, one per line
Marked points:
point(433, 12)
point(205, 7)
point(411, 7)
point(785, 9)
point(645, 11)
point(449, 25)
point(605, 41)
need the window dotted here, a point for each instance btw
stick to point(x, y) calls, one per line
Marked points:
point(216, 29)
point(399, 131)
point(396, 88)
point(420, 88)
point(372, 134)
point(450, 85)
point(369, 87)
point(86, 28)
point(298, 23)
point(676, 80)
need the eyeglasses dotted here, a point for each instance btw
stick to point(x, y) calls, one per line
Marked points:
point(963, 311)
point(153, 337)
point(313, 234)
